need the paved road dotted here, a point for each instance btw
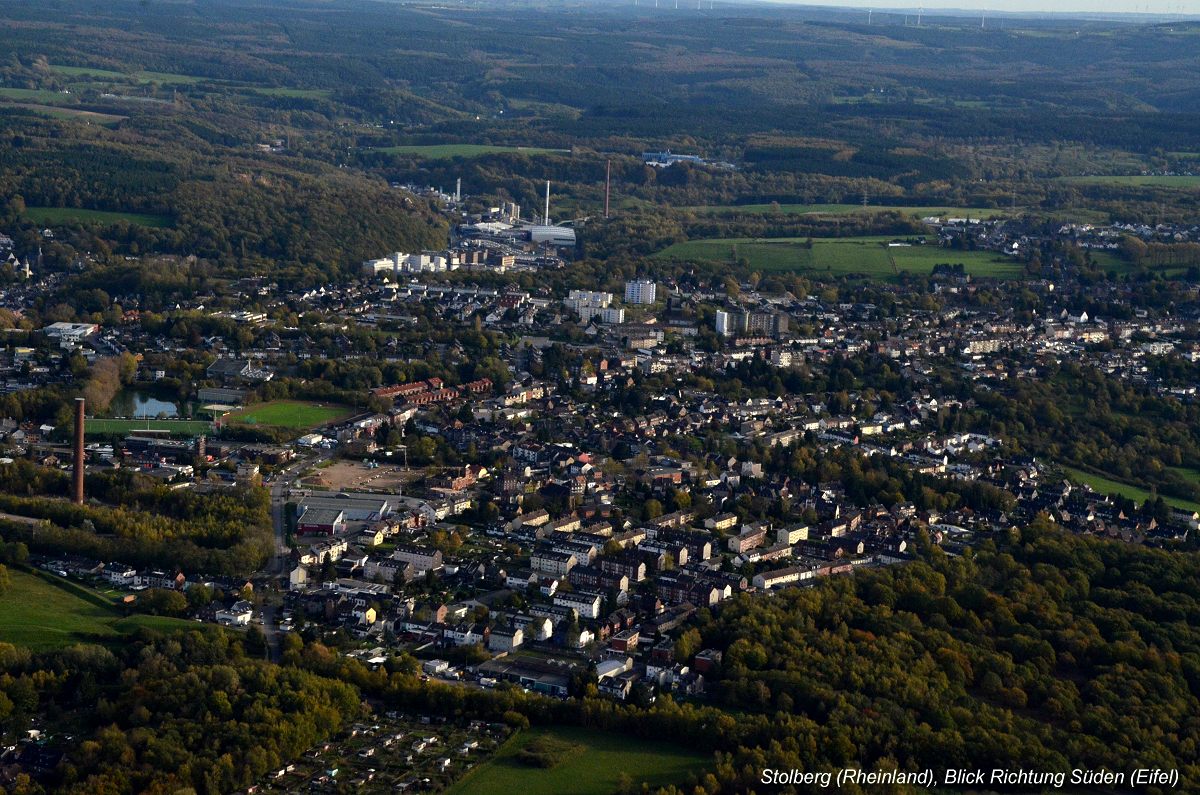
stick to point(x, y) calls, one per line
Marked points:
point(277, 567)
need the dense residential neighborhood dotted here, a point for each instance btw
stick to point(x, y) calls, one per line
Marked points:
point(557, 509)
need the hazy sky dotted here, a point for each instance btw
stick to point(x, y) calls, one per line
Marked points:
point(1191, 7)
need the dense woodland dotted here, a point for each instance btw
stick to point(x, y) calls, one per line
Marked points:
point(1096, 422)
point(226, 207)
point(1040, 650)
point(162, 715)
point(138, 521)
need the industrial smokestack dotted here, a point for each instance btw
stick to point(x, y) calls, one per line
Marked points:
point(546, 217)
point(79, 406)
point(458, 190)
point(607, 184)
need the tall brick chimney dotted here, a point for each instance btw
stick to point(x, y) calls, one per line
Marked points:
point(78, 495)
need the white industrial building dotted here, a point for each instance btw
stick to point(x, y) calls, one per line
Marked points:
point(238, 615)
point(554, 235)
point(409, 263)
point(70, 333)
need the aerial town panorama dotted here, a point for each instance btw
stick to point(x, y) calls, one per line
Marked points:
point(598, 398)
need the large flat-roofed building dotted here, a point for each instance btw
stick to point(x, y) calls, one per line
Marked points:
point(586, 604)
point(590, 297)
point(589, 305)
point(355, 507)
point(321, 520)
point(540, 676)
point(668, 158)
point(408, 263)
point(554, 235)
point(609, 315)
point(223, 395)
point(549, 561)
point(70, 333)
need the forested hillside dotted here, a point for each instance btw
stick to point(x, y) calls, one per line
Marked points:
point(188, 713)
point(162, 109)
point(1038, 651)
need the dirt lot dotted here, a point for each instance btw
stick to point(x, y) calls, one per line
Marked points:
point(355, 476)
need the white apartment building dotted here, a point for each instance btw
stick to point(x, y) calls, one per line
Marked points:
point(640, 292)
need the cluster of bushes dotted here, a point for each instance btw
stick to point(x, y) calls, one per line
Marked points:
point(546, 752)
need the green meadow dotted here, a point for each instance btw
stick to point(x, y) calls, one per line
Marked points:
point(66, 113)
point(43, 612)
point(138, 77)
point(850, 209)
point(1106, 485)
point(868, 256)
point(36, 95)
point(1139, 181)
point(66, 215)
point(448, 151)
point(594, 770)
point(88, 74)
point(293, 93)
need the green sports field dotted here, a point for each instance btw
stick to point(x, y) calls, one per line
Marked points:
point(294, 414)
point(64, 215)
point(42, 612)
point(447, 151)
point(593, 771)
point(174, 427)
point(868, 256)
